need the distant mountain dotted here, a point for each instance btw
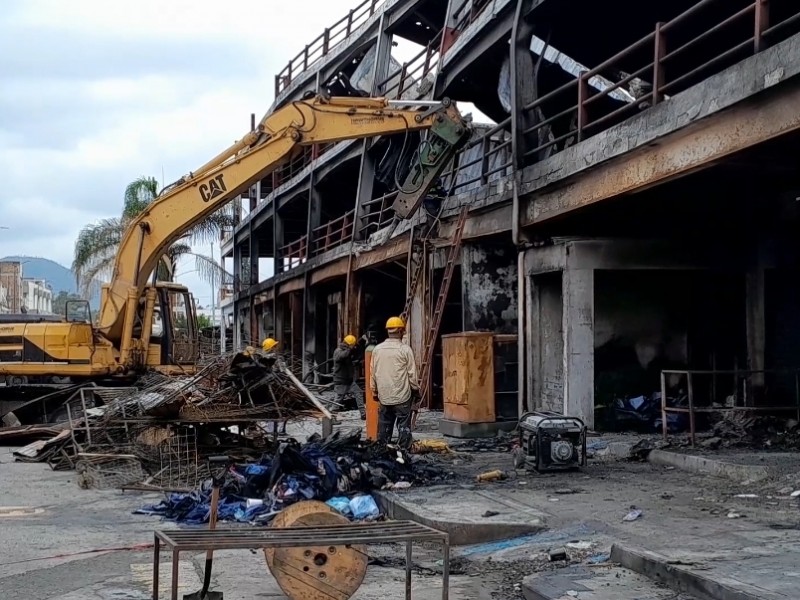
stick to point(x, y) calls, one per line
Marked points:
point(58, 276)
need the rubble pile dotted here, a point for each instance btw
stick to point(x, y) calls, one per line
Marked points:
point(741, 429)
point(320, 469)
point(169, 424)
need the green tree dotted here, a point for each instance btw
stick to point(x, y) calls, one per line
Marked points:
point(60, 302)
point(203, 322)
point(97, 243)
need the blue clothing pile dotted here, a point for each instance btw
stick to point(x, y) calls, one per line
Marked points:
point(340, 465)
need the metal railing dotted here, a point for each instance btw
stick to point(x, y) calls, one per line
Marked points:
point(737, 393)
point(464, 17)
point(377, 213)
point(293, 254)
point(659, 75)
point(333, 233)
point(413, 72)
point(324, 43)
point(489, 156)
point(294, 167)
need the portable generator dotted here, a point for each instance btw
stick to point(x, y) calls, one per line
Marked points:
point(550, 442)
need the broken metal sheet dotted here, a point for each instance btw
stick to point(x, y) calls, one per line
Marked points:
point(567, 64)
point(9, 435)
point(33, 449)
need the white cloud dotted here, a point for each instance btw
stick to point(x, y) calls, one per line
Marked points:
point(97, 93)
point(128, 88)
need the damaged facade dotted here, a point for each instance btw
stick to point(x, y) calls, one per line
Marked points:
point(632, 199)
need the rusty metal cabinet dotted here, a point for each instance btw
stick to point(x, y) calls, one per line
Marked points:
point(469, 387)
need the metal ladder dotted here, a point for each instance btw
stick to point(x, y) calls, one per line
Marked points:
point(416, 275)
point(436, 319)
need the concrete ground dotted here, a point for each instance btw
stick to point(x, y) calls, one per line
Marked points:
point(748, 532)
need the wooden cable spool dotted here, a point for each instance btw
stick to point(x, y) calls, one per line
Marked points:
point(316, 572)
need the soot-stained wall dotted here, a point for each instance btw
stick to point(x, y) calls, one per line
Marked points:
point(489, 287)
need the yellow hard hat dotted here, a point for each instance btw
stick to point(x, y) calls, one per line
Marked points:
point(350, 340)
point(269, 344)
point(395, 323)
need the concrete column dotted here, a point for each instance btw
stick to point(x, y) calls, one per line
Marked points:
point(314, 212)
point(310, 316)
point(578, 324)
point(238, 256)
point(277, 240)
point(366, 175)
point(253, 260)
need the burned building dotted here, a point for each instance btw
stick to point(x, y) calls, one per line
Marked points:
point(631, 198)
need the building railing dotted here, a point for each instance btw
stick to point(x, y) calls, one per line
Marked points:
point(376, 213)
point(412, 72)
point(333, 233)
point(293, 254)
point(324, 43)
point(658, 76)
point(469, 12)
point(294, 167)
point(749, 29)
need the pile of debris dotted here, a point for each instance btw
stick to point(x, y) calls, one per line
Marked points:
point(744, 429)
point(321, 469)
point(161, 428)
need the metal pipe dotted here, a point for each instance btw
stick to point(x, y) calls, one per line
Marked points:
point(425, 103)
point(516, 234)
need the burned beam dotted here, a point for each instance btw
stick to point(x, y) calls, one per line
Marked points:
point(687, 150)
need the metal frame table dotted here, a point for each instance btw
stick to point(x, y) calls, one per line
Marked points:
point(182, 540)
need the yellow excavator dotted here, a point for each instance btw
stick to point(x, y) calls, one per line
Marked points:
point(144, 324)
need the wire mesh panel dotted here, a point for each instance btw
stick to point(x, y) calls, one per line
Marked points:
point(103, 472)
point(179, 461)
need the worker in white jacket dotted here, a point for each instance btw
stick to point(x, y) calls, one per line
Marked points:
point(394, 384)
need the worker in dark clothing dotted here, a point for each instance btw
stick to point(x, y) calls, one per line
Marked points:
point(432, 204)
point(344, 374)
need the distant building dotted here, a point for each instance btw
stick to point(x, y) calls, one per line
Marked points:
point(11, 282)
point(37, 297)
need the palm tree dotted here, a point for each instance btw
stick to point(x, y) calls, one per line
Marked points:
point(97, 243)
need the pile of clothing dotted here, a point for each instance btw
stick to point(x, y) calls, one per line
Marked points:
point(343, 465)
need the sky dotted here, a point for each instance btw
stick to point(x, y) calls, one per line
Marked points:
point(95, 93)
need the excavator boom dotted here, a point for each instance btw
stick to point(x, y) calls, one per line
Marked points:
point(314, 120)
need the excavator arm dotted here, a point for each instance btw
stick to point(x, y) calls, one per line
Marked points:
point(315, 120)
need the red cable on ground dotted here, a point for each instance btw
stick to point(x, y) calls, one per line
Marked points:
point(137, 547)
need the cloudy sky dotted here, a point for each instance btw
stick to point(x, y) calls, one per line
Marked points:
point(95, 93)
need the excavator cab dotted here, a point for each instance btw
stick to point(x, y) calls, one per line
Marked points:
point(173, 334)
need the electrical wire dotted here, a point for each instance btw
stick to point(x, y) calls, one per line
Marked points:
point(134, 548)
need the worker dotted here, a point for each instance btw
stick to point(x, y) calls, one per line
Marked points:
point(394, 384)
point(433, 207)
point(344, 374)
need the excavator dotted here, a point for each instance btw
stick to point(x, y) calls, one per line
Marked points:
point(144, 324)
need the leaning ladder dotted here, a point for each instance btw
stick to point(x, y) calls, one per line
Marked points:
point(436, 319)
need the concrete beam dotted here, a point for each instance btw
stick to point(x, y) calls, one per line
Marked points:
point(393, 249)
point(490, 222)
point(337, 268)
point(704, 124)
